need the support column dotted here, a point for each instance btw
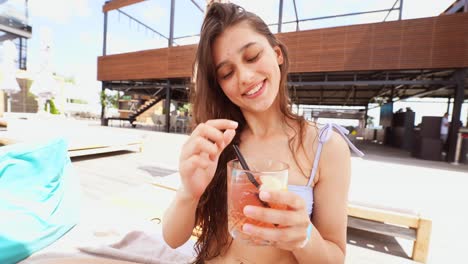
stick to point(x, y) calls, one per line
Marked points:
point(103, 88)
point(392, 93)
point(2, 103)
point(448, 104)
point(167, 107)
point(365, 115)
point(280, 15)
point(171, 24)
point(400, 14)
point(459, 78)
point(20, 54)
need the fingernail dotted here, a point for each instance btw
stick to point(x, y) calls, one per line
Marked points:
point(265, 196)
point(247, 228)
point(248, 210)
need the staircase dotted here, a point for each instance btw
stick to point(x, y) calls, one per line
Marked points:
point(147, 105)
point(177, 94)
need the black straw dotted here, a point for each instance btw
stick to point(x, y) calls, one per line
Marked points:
point(245, 166)
point(249, 175)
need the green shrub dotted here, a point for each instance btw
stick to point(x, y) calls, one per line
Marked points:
point(52, 108)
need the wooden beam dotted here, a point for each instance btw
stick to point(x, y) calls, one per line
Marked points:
point(383, 216)
point(423, 237)
point(116, 4)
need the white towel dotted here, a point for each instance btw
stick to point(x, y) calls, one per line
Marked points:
point(141, 247)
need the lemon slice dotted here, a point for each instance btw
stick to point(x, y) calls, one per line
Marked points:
point(270, 184)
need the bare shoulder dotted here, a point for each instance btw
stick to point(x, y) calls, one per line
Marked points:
point(336, 144)
point(336, 157)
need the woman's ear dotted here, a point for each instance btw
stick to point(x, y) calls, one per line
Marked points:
point(279, 55)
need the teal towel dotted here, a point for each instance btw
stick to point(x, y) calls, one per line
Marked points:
point(39, 197)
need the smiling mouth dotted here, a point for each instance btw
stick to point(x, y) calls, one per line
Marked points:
point(255, 89)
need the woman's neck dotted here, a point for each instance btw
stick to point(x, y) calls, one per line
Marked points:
point(265, 124)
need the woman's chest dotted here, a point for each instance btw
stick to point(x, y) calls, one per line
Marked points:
point(299, 163)
point(239, 252)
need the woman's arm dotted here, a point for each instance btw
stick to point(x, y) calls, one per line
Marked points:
point(197, 166)
point(327, 242)
point(179, 219)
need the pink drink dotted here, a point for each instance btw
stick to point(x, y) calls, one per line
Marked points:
point(273, 175)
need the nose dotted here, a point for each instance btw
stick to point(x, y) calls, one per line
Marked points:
point(246, 75)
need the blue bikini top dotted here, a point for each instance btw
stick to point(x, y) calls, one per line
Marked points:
point(306, 191)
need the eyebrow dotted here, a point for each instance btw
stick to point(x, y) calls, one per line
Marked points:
point(239, 51)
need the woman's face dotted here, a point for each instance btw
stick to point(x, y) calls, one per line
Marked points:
point(247, 67)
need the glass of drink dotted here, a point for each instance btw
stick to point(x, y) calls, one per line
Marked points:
point(243, 189)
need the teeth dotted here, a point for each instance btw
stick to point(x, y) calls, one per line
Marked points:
point(255, 89)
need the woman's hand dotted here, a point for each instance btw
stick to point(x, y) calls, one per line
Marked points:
point(294, 221)
point(200, 153)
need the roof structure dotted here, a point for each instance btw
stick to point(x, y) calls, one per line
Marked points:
point(348, 65)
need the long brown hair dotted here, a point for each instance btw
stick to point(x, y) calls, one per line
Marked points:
point(210, 102)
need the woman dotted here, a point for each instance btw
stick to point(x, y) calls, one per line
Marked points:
point(241, 98)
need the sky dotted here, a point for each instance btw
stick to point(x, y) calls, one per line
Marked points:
point(74, 28)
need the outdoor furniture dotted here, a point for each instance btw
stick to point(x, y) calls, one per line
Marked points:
point(393, 222)
point(182, 123)
point(39, 199)
point(173, 121)
point(462, 145)
point(82, 140)
point(131, 145)
point(427, 143)
point(159, 121)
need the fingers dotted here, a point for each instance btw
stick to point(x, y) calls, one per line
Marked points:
point(293, 223)
point(274, 216)
point(295, 216)
point(286, 238)
point(222, 124)
point(198, 161)
point(200, 145)
point(211, 133)
point(291, 199)
point(209, 138)
point(229, 136)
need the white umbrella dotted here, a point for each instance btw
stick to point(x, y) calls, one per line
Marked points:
point(8, 83)
point(44, 86)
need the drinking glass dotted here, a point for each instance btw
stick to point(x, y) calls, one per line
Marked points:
point(242, 191)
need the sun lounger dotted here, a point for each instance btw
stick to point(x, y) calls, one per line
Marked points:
point(393, 222)
point(81, 139)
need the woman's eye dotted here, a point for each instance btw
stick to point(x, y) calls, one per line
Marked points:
point(225, 76)
point(254, 58)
